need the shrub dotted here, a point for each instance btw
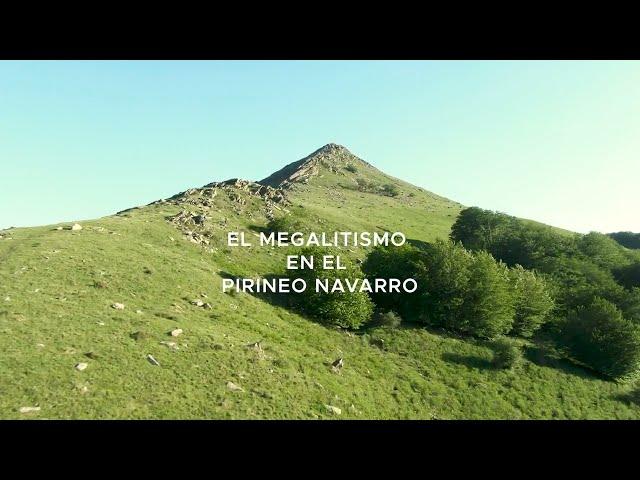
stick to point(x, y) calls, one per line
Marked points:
point(532, 301)
point(365, 185)
point(598, 336)
point(506, 353)
point(351, 168)
point(391, 190)
point(388, 319)
point(342, 309)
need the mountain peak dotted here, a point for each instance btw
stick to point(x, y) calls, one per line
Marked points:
point(330, 156)
point(332, 148)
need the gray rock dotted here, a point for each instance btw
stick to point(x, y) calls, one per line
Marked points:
point(152, 360)
point(29, 409)
point(234, 388)
point(333, 410)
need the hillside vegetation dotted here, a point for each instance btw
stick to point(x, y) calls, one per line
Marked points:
point(240, 355)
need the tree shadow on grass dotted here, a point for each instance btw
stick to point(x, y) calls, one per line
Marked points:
point(632, 397)
point(469, 361)
point(546, 356)
point(258, 228)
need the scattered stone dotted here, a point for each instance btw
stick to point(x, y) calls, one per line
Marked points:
point(152, 360)
point(234, 388)
point(58, 228)
point(337, 364)
point(100, 323)
point(76, 227)
point(118, 306)
point(81, 366)
point(197, 302)
point(92, 355)
point(204, 295)
point(333, 410)
point(207, 306)
point(176, 332)
point(139, 312)
point(29, 409)
point(40, 345)
point(171, 345)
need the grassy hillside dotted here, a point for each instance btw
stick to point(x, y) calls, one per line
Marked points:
point(245, 357)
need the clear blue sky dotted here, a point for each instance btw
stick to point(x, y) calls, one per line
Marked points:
point(557, 142)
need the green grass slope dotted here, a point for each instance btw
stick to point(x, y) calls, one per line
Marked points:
point(57, 288)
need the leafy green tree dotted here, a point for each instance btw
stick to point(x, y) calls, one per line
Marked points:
point(628, 275)
point(598, 336)
point(627, 239)
point(487, 310)
point(448, 269)
point(577, 281)
point(532, 301)
point(477, 229)
point(344, 309)
point(602, 250)
point(401, 263)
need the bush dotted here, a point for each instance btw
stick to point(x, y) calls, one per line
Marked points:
point(598, 336)
point(532, 301)
point(391, 190)
point(506, 353)
point(387, 319)
point(342, 309)
point(351, 168)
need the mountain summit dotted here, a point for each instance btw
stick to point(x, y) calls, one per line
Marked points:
point(332, 157)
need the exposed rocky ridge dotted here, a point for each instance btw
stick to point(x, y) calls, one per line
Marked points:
point(332, 156)
point(205, 210)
